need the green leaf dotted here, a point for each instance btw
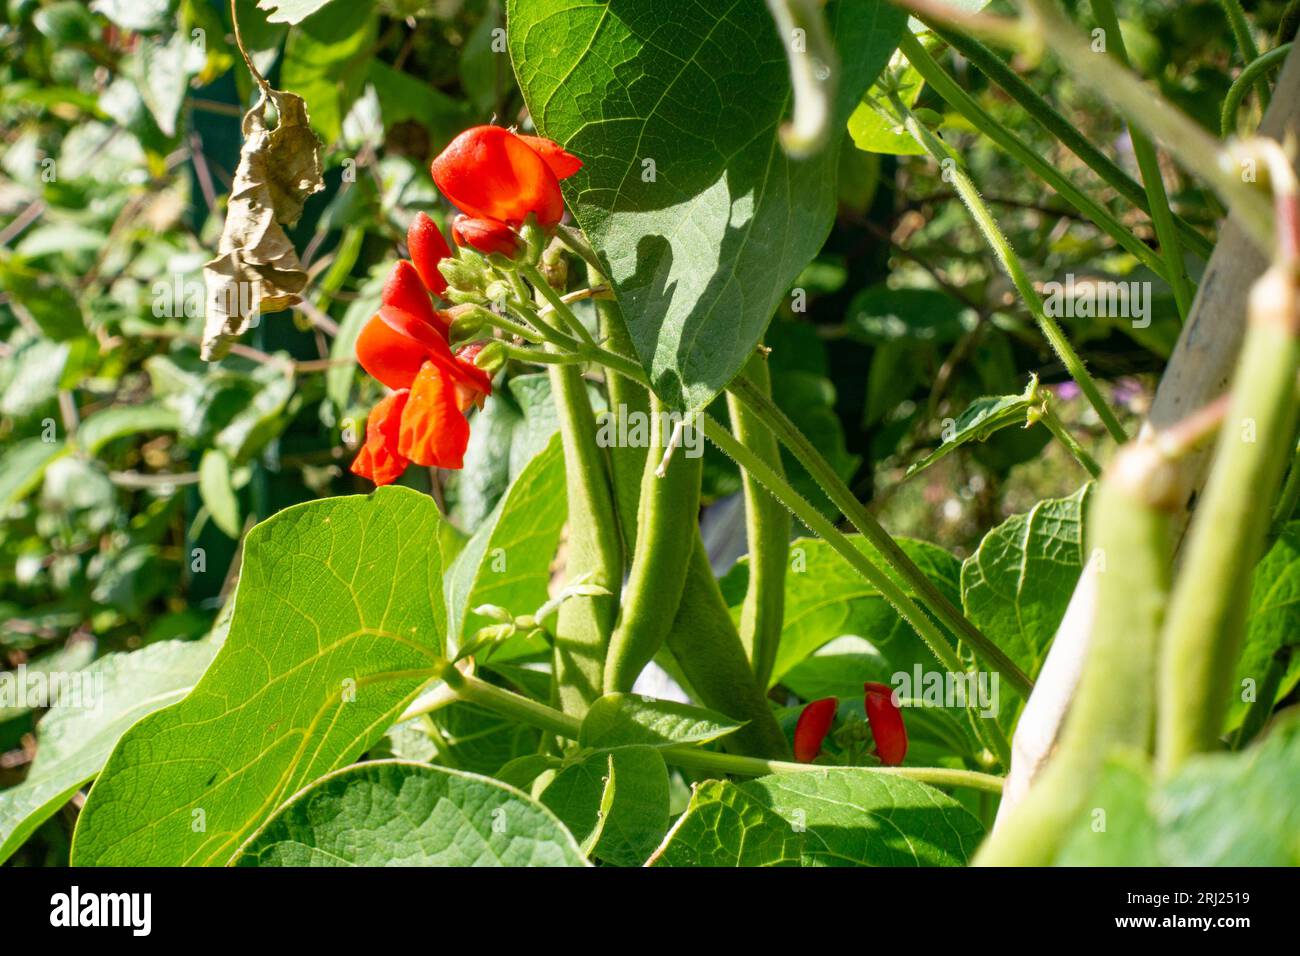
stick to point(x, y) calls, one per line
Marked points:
point(324, 59)
point(23, 466)
point(872, 132)
point(686, 192)
point(218, 493)
point(615, 801)
point(624, 720)
point(343, 356)
point(49, 302)
point(73, 742)
point(863, 818)
point(1016, 585)
point(826, 598)
point(1272, 621)
point(338, 622)
point(981, 418)
point(144, 15)
point(507, 561)
point(395, 813)
point(120, 420)
point(1226, 809)
point(724, 826)
point(405, 97)
point(482, 740)
point(37, 370)
point(290, 11)
point(42, 678)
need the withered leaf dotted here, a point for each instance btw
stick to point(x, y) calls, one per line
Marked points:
point(257, 269)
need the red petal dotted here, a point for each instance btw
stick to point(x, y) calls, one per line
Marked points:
point(379, 460)
point(427, 247)
point(485, 235)
point(405, 291)
point(434, 430)
point(490, 173)
point(814, 723)
point(388, 355)
point(562, 162)
point(887, 727)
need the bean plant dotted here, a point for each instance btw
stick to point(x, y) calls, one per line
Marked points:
point(629, 433)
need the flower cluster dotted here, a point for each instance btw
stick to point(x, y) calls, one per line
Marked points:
point(883, 715)
point(500, 181)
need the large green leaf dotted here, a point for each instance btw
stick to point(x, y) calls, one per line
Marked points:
point(396, 813)
point(338, 620)
point(685, 192)
point(23, 465)
point(72, 742)
point(507, 561)
point(615, 801)
point(1016, 585)
point(724, 826)
point(324, 62)
point(863, 818)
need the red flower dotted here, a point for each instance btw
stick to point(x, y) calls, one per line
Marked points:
point(427, 247)
point(485, 235)
point(490, 173)
point(814, 723)
point(405, 346)
point(886, 719)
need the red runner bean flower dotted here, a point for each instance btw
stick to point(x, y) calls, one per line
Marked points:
point(814, 723)
point(886, 721)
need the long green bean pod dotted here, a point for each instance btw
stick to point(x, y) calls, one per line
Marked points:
point(1114, 707)
point(668, 510)
point(767, 529)
point(1207, 616)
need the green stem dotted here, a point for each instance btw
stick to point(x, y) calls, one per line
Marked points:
point(668, 513)
point(1241, 32)
point(1024, 154)
point(1286, 502)
point(1051, 119)
point(1207, 616)
point(577, 242)
point(767, 529)
point(1062, 434)
point(1253, 73)
point(1149, 165)
point(843, 498)
point(537, 357)
point(943, 155)
point(509, 704)
point(557, 303)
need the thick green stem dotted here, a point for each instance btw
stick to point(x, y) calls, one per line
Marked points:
point(1024, 154)
point(1207, 616)
point(843, 498)
point(667, 517)
point(767, 528)
point(1252, 74)
point(1051, 119)
point(1149, 165)
point(1010, 262)
point(1113, 708)
point(528, 711)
